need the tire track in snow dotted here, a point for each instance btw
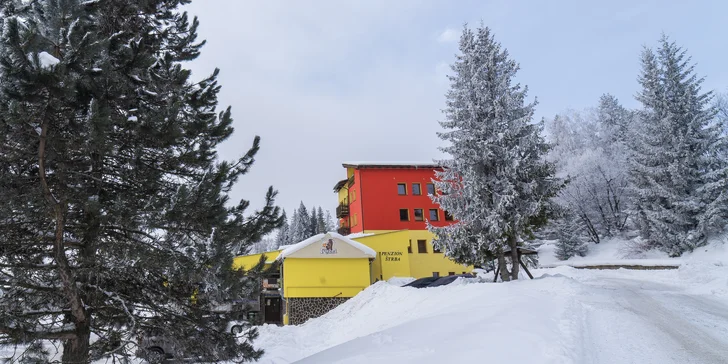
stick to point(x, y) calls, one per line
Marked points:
point(656, 324)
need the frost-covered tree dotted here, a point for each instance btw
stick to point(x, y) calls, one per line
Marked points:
point(677, 170)
point(115, 220)
point(329, 224)
point(590, 152)
point(496, 184)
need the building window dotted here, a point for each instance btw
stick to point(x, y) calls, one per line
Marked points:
point(401, 189)
point(422, 246)
point(419, 215)
point(431, 189)
point(354, 220)
point(451, 273)
point(448, 217)
point(416, 189)
point(352, 195)
point(409, 248)
point(434, 215)
point(403, 215)
point(435, 274)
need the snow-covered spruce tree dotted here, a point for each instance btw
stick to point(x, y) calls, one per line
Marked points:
point(313, 228)
point(497, 184)
point(677, 170)
point(300, 224)
point(115, 220)
point(320, 221)
point(569, 237)
point(283, 234)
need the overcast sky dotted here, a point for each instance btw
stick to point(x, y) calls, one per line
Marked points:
point(323, 82)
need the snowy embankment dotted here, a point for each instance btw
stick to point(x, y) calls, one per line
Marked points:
point(565, 315)
point(608, 252)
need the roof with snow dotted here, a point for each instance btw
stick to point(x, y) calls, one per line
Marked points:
point(391, 165)
point(328, 245)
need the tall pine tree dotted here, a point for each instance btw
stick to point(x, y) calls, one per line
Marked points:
point(115, 220)
point(678, 176)
point(496, 184)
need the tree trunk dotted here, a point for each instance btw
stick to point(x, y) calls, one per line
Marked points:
point(513, 244)
point(503, 267)
point(76, 351)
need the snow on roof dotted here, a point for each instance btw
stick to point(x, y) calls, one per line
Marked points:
point(420, 164)
point(317, 238)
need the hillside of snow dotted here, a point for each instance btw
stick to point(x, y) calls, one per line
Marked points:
point(616, 251)
point(565, 315)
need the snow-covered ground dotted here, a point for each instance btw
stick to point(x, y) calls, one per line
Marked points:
point(565, 315)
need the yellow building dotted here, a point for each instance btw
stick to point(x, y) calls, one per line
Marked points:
point(383, 209)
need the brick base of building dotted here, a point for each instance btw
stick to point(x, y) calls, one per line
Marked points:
point(302, 309)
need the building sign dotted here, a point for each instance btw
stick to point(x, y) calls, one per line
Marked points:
point(395, 256)
point(327, 247)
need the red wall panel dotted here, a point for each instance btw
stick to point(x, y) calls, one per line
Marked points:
point(379, 203)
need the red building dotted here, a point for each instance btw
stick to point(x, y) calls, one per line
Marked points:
point(387, 196)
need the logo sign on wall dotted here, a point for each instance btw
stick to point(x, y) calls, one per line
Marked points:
point(328, 247)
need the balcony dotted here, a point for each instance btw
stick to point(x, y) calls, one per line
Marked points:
point(343, 209)
point(344, 231)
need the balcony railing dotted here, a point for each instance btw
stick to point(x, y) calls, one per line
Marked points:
point(342, 210)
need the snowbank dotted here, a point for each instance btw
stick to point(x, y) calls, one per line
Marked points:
point(608, 252)
point(391, 324)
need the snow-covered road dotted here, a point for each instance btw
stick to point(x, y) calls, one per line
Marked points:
point(564, 316)
point(641, 321)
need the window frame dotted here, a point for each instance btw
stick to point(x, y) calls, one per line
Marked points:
point(422, 247)
point(450, 273)
point(400, 215)
point(419, 189)
point(448, 216)
point(409, 247)
point(404, 185)
point(427, 186)
point(436, 274)
point(437, 214)
point(414, 214)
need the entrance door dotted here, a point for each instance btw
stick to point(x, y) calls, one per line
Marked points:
point(272, 310)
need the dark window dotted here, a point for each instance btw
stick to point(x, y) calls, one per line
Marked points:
point(272, 280)
point(416, 190)
point(430, 189)
point(435, 274)
point(451, 273)
point(448, 217)
point(464, 273)
point(403, 215)
point(409, 248)
point(422, 246)
point(434, 215)
point(401, 188)
point(419, 215)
